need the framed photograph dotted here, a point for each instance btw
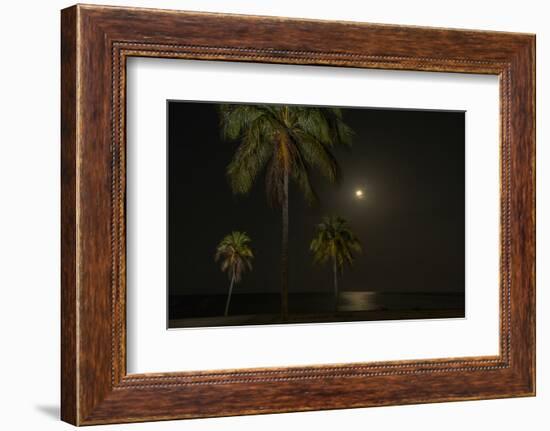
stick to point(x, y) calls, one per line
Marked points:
point(336, 245)
point(268, 215)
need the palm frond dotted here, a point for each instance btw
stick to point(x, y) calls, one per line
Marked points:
point(341, 133)
point(235, 254)
point(334, 240)
point(282, 140)
point(317, 155)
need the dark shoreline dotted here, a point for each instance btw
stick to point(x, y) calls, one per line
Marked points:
point(356, 316)
point(264, 309)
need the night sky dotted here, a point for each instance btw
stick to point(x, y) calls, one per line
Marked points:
point(410, 165)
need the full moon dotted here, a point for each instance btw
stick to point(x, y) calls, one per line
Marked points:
point(359, 194)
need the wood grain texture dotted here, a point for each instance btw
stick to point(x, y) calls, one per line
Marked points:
point(96, 41)
point(69, 366)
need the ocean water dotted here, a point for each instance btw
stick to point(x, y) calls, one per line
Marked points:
point(196, 306)
point(366, 301)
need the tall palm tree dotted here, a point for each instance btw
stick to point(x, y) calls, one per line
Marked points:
point(287, 143)
point(335, 242)
point(236, 257)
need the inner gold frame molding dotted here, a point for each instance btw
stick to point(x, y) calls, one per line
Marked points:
point(95, 44)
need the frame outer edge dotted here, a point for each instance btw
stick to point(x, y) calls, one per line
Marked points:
point(532, 101)
point(523, 208)
point(533, 54)
point(530, 63)
point(69, 196)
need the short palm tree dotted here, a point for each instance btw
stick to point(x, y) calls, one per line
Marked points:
point(335, 242)
point(285, 142)
point(236, 256)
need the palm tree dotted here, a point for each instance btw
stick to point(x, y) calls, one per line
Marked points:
point(236, 257)
point(334, 241)
point(285, 142)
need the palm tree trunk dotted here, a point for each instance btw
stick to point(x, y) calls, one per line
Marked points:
point(284, 251)
point(229, 295)
point(335, 270)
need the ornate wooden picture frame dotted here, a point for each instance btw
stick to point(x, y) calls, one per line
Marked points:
point(96, 41)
